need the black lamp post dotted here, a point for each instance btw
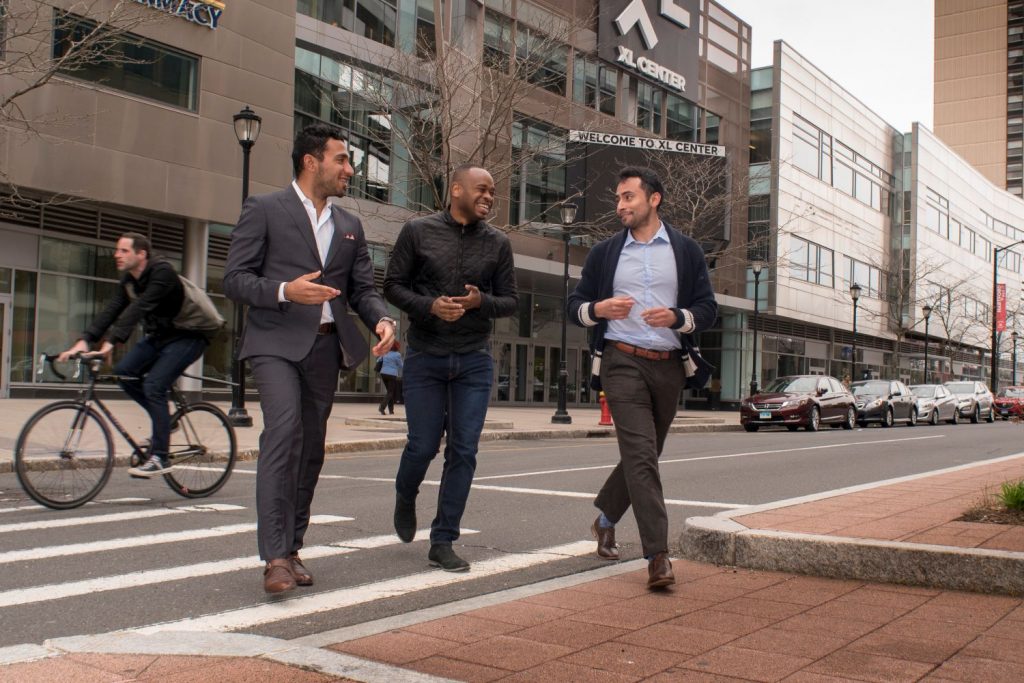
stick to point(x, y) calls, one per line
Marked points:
point(562, 416)
point(855, 295)
point(247, 129)
point(995, 305)
point(927, 310)
point(1013, 336)
point(756, 267)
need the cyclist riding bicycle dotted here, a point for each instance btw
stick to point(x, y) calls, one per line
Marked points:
point(151, 292)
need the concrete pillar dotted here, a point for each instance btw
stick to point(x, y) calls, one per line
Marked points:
point(193, 266)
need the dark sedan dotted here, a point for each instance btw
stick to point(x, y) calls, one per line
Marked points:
point(798, 401)
point(884, 401)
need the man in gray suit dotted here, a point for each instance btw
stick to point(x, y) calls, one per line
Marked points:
point(298, 262)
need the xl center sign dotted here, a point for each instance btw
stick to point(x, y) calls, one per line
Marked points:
point(657, 38)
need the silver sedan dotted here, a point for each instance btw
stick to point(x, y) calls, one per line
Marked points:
point(934, 403)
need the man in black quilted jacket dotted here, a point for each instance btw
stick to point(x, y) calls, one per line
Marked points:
point(151, 293)
point(452, 274)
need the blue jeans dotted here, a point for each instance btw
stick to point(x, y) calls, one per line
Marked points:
point(444, 394)
point(161, 365)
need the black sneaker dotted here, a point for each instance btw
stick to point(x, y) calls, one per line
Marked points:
point(444, 557)
point(405, 519)
point(152, 468)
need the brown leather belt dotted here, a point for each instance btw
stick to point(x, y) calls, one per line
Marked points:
point(649, 354)
point(326, 328)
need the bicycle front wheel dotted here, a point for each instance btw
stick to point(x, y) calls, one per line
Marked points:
point(64, 455)
point(202, 452)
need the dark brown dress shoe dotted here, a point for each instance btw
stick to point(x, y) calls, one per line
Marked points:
point(606, 548)
point(659, 572)
point(277, 577)
point(299, 571)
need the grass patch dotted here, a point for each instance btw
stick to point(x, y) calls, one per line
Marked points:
point(1011, 494)
point(1003, 507)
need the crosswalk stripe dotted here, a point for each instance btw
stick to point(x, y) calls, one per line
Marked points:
point(59, 591)
point(114, 517)
point(46, 552)
point(91, 502)
point(247, 617)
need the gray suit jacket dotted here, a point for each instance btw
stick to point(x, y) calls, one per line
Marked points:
point(272, 243)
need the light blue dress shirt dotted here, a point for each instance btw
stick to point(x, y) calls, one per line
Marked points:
point(647, 273)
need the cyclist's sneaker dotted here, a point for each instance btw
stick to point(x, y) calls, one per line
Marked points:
point(152, 468)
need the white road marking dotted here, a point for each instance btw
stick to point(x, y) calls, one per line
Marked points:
point(114, 517)
point(582, 494)
point(137, 541)
point(59, 591)
point(91, 502)
point(358, 595)
point(673, 461)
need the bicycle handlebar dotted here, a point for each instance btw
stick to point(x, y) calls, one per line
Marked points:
point(95, 358)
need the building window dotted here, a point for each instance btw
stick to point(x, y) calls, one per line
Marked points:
point(594, 85)
point(711, 125)
point(870, 278)
point(811, 262)
point(352, 98)
point(680, 119)
point(373, 19)
point(648, 106)
point(538, 182)
point(497, 40)
point(545, 61)
point(131, 64)
point(426, 38)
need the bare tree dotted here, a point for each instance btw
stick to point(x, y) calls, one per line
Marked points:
point(39, 43)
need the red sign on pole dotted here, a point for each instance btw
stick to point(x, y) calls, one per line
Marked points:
point(1001, 307)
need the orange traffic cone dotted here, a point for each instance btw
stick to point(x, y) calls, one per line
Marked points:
point(606, 414)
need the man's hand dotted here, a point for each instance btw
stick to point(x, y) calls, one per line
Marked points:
point(616, 308)
point(302, 290)
point(445, 308)
point(80, 346)
point(106, 350)
point(659, 317)
point(472, 298)
point(386, 332)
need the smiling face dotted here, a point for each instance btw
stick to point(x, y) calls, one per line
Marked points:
point(127, 259)
point(472, 195)
point(635, 208)
point(331, 174)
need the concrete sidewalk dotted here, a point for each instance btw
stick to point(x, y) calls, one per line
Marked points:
point(897, 619)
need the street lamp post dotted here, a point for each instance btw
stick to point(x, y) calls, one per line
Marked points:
point(927, 310)
point(995, 305)
point(1013, 336)
point(756, 267)
point(855, 295)
point(247, 129)
point(561, 415)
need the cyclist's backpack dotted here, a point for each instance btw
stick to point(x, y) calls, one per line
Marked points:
point(198, 314)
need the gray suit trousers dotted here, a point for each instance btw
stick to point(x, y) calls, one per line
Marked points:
point(296, 399)
point(643, 396)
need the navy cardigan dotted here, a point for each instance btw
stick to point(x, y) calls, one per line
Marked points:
point(696, 309)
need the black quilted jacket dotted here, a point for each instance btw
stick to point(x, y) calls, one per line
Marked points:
point(437, 256)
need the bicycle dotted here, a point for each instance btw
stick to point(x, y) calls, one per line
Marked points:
point(65, 452)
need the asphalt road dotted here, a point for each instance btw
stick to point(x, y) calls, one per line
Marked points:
point(140, 557)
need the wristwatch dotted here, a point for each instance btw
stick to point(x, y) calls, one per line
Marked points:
point(387, 319)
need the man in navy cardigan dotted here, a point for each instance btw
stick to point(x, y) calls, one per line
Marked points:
point(645, 291)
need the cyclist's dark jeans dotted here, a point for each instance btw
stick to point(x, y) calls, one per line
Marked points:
point(161, 366)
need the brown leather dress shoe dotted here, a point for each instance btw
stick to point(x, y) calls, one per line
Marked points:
point(277, 577)
point(299, 571)
point(606, 548)
point(659, 571)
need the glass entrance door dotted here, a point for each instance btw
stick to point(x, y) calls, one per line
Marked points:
point(5, 345)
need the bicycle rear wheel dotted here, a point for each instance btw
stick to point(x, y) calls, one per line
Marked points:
point(64, 455)
point(203, 450)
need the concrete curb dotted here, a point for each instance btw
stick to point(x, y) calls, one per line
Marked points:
point(722, 541)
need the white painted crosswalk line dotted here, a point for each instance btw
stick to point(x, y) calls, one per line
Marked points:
point(114, 517)
point(69, 589)
point(47, 552)
point(248, 617)
point(91, 502)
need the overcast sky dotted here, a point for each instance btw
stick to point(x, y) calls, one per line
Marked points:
point(879, 50)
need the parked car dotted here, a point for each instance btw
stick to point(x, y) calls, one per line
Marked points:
point(884, 401)
point(798, 401)
point(1010, 402)
point(934, 403)
point(974, 400)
